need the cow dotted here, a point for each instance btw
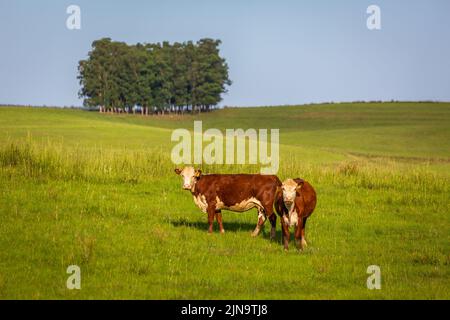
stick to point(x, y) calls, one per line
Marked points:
point(296, 201)
point(234, 192)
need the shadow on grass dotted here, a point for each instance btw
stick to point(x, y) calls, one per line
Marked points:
point(229, 227)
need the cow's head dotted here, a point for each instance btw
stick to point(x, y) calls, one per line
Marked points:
point(190, 177)
point(290, 187)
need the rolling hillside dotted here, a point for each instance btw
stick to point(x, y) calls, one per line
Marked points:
point(98, 191)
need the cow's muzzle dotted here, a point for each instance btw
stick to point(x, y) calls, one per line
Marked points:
point(187, 187)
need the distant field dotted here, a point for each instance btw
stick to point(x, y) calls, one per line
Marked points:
point(98, 191)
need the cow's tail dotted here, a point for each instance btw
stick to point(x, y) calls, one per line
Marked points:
point(278, 201)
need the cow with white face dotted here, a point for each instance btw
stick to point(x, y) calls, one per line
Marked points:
point(299, 201)
point(290, 189)
point(190, 176)
point(234, 192)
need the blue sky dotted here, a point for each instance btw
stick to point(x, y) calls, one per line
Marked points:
point(279, 52)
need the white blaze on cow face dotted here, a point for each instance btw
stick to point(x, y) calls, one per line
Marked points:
point(190, 177)
point(289, 188)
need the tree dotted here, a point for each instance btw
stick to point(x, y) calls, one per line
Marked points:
point(95, 75)
point(162, 76)
point(213, 73)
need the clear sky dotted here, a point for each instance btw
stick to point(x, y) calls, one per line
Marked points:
point(279, 52)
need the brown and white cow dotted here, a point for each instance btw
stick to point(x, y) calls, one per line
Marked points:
point(234, 192)
point(298, 202)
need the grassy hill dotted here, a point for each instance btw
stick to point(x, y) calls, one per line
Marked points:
point(98, 191)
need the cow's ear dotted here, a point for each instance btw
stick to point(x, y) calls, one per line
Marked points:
point(300, 183)
point(198, 173)
point(177, 171)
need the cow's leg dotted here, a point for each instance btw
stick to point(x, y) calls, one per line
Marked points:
point(298, 234)
point(282, 211)
point(260, 223)
point(285, 231)
point(211, 212)
point(219, 220)
point(304, 244)
point(273, 223)
point(268, 209)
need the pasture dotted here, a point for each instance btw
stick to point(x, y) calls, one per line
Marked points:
point(99, 191)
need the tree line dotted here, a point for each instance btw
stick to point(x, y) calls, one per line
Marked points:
point(153, 78)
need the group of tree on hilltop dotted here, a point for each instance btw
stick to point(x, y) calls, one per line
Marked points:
point(153, 78)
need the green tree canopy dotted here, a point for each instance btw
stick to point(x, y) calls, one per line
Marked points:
point(160, 77)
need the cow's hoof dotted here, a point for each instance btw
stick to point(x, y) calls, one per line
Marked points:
point(255, 234)
point(299, 245)
point(222, 231)
point(304, 244)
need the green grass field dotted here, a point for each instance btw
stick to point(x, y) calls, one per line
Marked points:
point(99, 191)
